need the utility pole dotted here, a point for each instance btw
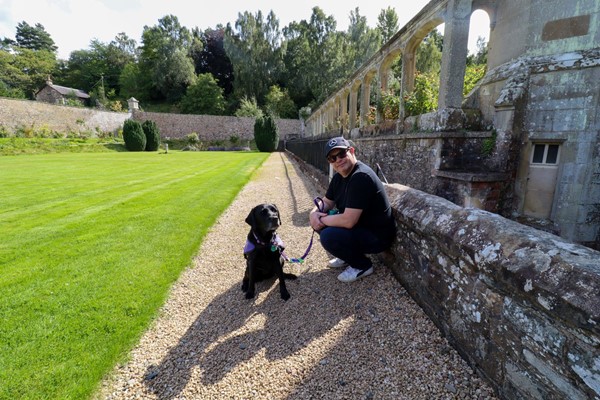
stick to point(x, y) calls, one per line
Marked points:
point(102, 86)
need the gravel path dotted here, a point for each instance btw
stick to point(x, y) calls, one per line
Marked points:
point(363, 340)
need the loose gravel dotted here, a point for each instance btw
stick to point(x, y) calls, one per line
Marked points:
point(332, 340)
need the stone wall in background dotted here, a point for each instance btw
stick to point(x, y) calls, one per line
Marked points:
point(29, 114)
point(212, 127)
point(19, 114)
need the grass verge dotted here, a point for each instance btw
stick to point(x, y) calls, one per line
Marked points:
point(91, 244)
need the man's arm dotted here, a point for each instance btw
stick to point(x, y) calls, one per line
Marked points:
point(347, 219)
point(315, 215)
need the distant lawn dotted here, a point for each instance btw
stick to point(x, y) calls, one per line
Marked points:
point(90, 244)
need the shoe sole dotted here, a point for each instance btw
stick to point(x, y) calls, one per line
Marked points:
point(366, 273)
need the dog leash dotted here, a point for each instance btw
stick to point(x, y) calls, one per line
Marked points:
point(321, 207)
point(277, 243)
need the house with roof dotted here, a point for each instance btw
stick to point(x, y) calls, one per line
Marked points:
point(56, 94)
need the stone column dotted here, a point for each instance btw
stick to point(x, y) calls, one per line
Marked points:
point(454, 55)
point(353, 104)
point(365, 95)
point(407, 82)
point(344, 110)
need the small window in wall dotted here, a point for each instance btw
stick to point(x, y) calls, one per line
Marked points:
point(545, 153)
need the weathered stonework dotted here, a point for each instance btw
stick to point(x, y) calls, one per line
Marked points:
point(16, 114)
point(522, 306)
point(541, 88)
point(212, 127)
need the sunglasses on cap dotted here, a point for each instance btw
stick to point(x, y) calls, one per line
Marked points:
point(339, 155)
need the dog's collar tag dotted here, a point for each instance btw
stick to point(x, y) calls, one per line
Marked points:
point(277, 244)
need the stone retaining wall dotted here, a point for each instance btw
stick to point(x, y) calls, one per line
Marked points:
point(522, 306)
point(212, 127)
point(19, 114)
point(29, 114)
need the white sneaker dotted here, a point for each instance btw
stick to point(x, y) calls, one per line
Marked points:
point(351, 274)
point(337, 263)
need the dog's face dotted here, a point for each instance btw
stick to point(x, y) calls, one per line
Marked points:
point(264, 218)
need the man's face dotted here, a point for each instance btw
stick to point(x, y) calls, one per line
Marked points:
point(342, 160)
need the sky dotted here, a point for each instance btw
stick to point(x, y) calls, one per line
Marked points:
point(73, 24)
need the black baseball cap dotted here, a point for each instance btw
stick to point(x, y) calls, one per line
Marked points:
point(336, 143)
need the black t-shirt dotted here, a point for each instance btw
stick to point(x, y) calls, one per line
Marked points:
point(363, 190)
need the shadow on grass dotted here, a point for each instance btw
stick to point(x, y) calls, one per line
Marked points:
point(115, 146)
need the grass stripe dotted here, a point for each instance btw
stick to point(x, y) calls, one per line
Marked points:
point(90, 246)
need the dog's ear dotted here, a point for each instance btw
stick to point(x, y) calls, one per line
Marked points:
point(250, 218)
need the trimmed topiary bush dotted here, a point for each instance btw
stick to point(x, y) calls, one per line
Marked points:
point(266, 135)
point(152, 135)
point(133, 135)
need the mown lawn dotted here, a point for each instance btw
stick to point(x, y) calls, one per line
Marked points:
point(90, 244)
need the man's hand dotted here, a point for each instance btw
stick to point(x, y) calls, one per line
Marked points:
point(315, 220)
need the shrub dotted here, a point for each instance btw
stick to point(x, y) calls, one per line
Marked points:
point(133, 135)
point(152, 135)
point(266, 135)
point(424, 97)
point(389, 106)
point(249, 108)
point(192, 138)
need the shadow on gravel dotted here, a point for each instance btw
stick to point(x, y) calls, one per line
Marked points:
point(281, 335)
point(299, 218)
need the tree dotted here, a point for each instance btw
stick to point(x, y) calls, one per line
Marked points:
point(133, 135)
point(314, 58)
point(364, 41)
point(98, 69)
point(429, 53)
point(205, 96)
point(254, 48)
point(152, 135)
point(34, 37)
point(213, 59)
point(25, 70)
point(266, 134)
point(26, 63)
point(166, 70)
point(130, 82)
point(279, 103)
point(248, 108)
point(387, 23)
point(480, 57)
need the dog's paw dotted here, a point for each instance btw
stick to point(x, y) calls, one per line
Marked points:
point(244, 286)
point(285, 295)
point(249, 295)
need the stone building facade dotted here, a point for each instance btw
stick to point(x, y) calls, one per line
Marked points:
point(56, 94)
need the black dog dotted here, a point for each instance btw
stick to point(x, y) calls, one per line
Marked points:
point(263, 250)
